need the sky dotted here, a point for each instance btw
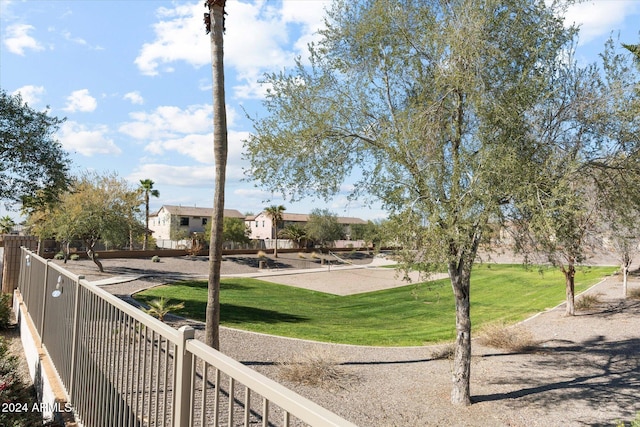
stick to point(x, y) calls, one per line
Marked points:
point(133, 79)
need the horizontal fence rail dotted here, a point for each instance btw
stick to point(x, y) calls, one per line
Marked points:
point(122, 367)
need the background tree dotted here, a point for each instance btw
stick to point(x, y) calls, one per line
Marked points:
point(371, 232)
point(429, 102)
point(34, 168)
point(591, 134)
point(98, 208)
point(274, 212)
point(214, 22)
point(234, 230)
point(148, 191)
point(323, 227)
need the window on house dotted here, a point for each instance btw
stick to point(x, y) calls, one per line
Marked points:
point(263, 223)
point(184, 220)
point(256, 224)
point(204, 221)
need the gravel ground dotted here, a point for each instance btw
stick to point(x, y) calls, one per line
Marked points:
point(584, 372)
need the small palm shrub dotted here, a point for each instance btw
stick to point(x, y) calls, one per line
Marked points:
point(261, 255)
point(58, 256)
point(74, 257)
point(155, 258)
point(160, 307)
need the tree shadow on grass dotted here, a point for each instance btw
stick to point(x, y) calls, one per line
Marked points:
point(238, 314)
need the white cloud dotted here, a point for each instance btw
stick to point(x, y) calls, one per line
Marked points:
point(30, 94)
point(597, 17)
point(257, 39)
point(181, 176)
point(79, 138)
point(81, 100)
point(17, 39)
point(134, 97)
point(179, 37)
point(168, 122)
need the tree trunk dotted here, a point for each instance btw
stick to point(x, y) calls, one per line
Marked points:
point(460, 282)
point(569, 280)
point(146, 221)
point(212, 324)
point(93, 256)
point(625, 275)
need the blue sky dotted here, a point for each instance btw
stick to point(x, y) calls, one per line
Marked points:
point(133, 79)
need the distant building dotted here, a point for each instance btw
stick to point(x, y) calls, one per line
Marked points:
point(174, 223)
point(262, 228)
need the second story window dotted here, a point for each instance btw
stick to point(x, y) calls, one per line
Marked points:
point(204, 221)
point(184, 220)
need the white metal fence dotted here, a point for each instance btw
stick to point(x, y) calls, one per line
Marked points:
point(122, 367)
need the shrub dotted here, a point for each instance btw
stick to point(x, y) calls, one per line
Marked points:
point(5, 310)
point(314, 255)
point(317, 369)
point(155, 258)
point(302, 255)
point(59, 256)
point(588, 302)
point(160, 307)
point(13, 390)
point(634, 423)
point(510, 338)
point(634, 293)
point(74, 257)
point(261, 254)
point(445, 352)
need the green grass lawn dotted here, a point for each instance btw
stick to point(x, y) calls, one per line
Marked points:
point(405, 316)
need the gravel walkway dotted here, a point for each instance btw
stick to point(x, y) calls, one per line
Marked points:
point(585, 371)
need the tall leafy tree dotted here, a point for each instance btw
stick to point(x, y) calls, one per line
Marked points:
point(97, 208)
point(146, 185)
point(214, 21)
point(428, 102)
point(34, 168)
point(274, 212)
point(323, 227)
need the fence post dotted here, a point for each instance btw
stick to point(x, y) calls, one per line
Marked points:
point(44, 302)
point(74, 341)
point(183, 378)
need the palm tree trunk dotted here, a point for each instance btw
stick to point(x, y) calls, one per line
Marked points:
point(146, 221)
point(212, 324)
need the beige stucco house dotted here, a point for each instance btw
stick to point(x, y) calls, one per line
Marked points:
point(171, 221)
point(262, 228)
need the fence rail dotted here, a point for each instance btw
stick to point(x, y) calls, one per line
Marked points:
point(122, 367)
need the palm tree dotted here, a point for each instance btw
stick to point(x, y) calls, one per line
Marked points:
point(147, 188)
point(214, 22)
point(275, 213)
point(635, 50)
point(6, 224)
point(295, 233)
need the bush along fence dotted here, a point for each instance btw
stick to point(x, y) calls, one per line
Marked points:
point(121, 367)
